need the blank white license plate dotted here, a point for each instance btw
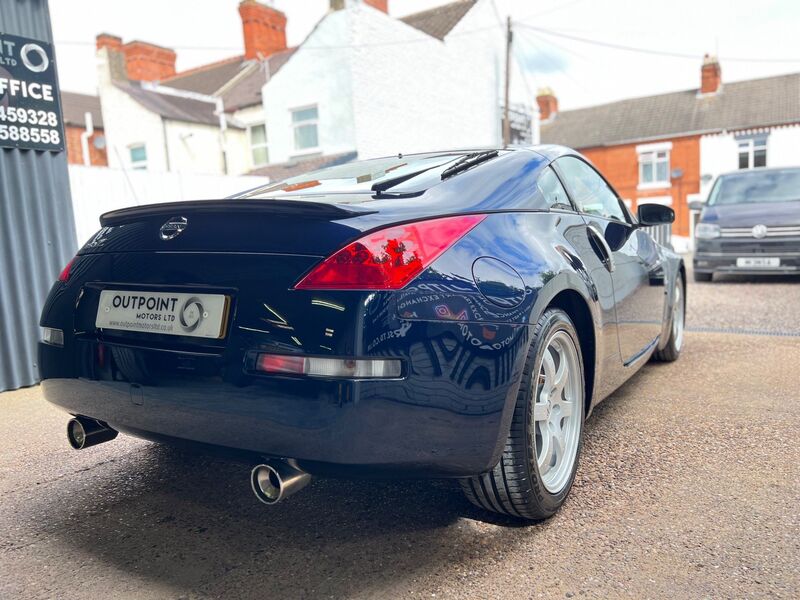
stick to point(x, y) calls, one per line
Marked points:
point(758, 262)
point(195, 315)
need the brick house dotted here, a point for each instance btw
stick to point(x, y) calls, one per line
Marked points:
point(208, 119)
point(669, 148)
point(83, 149)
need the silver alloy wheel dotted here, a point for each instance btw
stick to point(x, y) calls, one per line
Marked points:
point(678, 315)
point(557, 411)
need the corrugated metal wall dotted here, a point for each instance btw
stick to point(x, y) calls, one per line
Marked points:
point(37, 232)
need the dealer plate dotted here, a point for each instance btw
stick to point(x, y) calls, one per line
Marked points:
point(194, 315)
point(759, 262)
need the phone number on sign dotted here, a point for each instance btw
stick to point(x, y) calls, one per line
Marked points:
point(26, 129)
point(23, 133)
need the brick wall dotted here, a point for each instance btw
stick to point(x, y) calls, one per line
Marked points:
point(620, 165)
point(98, 158)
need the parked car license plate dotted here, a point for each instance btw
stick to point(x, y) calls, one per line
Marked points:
point(195, 315)
point(758, 262)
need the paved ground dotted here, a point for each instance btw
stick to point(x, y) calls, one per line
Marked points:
point(689, 487)
point(757, 304)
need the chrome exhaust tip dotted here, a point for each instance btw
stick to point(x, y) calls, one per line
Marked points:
point(83, 433)
point(277, 481)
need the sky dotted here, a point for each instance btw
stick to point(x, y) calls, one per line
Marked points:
point(752, 39)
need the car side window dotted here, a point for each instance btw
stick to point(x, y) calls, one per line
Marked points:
point(591, 194)
point(554, 193)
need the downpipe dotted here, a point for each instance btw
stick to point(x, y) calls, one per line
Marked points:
point(83, 433)
point(277, 480)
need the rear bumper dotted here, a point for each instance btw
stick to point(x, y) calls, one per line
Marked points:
point(425, 425)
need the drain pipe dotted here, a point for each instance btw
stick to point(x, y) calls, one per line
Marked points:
point(89, 132)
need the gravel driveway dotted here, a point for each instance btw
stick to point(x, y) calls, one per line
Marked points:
point(766, 304)
point(689, 487)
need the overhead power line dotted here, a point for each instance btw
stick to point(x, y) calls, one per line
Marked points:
point(651, 51)
point(521, 24)
point(550, 10)
point(424, 39)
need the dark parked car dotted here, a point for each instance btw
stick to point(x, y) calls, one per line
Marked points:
point(750, 224)
point(451, 314)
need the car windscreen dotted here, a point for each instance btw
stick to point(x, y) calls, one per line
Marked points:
point(756, 186)
point(420, 171)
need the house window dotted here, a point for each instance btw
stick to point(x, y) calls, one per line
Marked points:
point(752, 152)
point(258, 145)
point(304, 121)
point(138, 155)
point(654, 168)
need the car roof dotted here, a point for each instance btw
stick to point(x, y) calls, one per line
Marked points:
point(757, 170)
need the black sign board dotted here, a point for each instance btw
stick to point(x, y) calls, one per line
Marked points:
point(30, 104)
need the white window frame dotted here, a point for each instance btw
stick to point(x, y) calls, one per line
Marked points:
point(295, 125)
point(138, 165)
point(649, 153)
point(259, 146)
point(750, 151)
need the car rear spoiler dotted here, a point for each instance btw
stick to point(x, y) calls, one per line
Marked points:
point(304, 208)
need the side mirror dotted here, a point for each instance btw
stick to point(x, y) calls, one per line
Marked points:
point(655, 214)
point(696, 205)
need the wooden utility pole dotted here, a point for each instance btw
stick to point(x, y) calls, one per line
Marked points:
point(506, 122)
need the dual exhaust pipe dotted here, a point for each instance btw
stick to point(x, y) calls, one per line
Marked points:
point(271, 482)
point(277, 480)
point(83, 433)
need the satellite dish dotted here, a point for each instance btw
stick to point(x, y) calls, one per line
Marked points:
point(99, 142)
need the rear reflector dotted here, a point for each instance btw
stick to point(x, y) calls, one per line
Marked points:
point(329, 367)
point(52, 336)
point(66, 272)
point(389, 258)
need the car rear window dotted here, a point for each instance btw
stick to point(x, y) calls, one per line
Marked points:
point(416, 172)
point(756, 186)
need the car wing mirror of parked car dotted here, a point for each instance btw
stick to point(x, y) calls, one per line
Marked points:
point(655, 214)
point(696, 205)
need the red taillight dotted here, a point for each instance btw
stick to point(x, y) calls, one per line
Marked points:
point(65, 273)
point(278, 363)
point(389, 258)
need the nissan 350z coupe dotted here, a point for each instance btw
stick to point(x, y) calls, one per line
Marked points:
point(447, 315)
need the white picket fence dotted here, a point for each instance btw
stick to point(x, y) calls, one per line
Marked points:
point(96, 190)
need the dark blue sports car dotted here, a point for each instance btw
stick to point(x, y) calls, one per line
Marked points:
point(452, 314)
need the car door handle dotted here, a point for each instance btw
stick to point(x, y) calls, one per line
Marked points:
point(601, 247)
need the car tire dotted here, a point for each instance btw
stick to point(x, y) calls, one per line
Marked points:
point(703, 277)
point(672, 350)
point(530, 481)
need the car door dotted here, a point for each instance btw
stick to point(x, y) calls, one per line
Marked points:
point(627, 253)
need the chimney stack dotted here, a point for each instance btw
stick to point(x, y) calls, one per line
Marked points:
point(548, 103)
point(148, 62)
point(264, 29)
point(139, 61)
point(381, 5)
point(710, 75)
point(106, 40)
